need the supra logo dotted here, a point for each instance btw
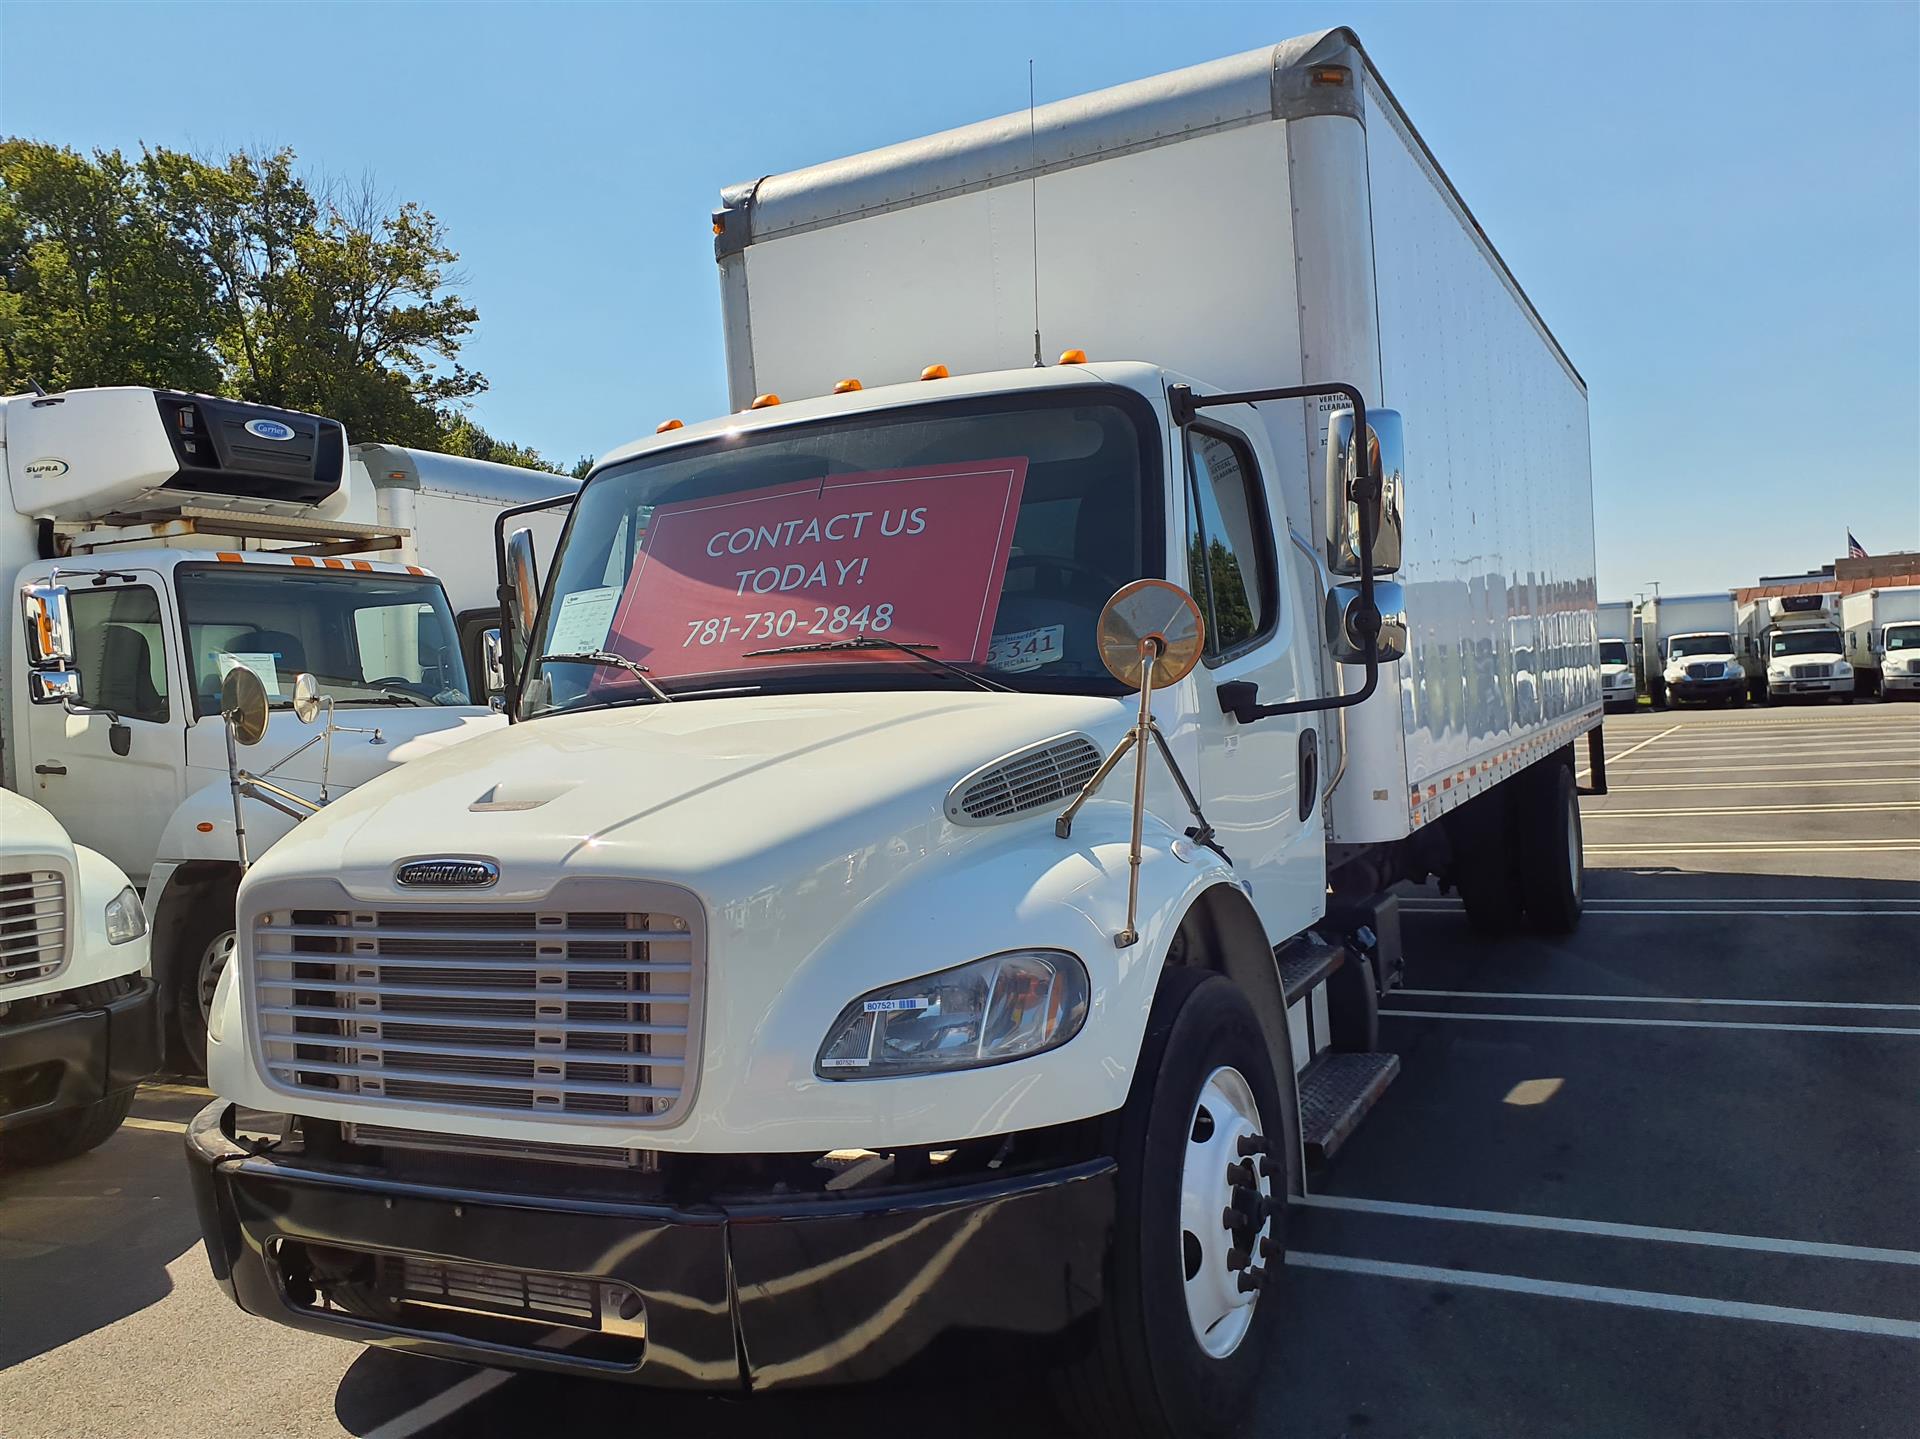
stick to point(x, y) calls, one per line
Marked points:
point(447, 873)
point(46, 469)
point(269, 429)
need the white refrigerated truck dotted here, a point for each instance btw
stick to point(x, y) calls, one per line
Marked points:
point(182, 535)
point(1792, 648)
point(797, 983)
point(1882, 628)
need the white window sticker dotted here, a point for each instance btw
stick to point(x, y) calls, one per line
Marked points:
point(1026, 649)
point(583, 621)
point(264, 665)
point(894, 1006)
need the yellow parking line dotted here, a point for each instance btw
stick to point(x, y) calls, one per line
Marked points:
point(158, 1126)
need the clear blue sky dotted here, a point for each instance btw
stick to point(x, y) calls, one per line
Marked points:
point(1716, 207)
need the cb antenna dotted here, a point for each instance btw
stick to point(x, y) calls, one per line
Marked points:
point(1033, 198)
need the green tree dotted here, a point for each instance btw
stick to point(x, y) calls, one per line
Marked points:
point(94, 288)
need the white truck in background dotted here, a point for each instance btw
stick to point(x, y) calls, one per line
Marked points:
point(1689, 651)
point(1882, 628)
point(1792, 648)
point(79, 1019)
point(899, 908)
point(1617, 689)
point(172, 536)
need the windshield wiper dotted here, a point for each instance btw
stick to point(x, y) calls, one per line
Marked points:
point(878, 642)
point(607, 657)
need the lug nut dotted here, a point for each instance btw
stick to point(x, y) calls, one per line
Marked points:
point(1270, 1251)
point(1241, 1174)
point(1250, 1280)
point(1252, 1144)
point(1238, 1259)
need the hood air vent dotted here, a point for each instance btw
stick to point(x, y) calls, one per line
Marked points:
point(1032, 778)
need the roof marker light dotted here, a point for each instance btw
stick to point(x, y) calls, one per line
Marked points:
point(1328, 74)
point(228, 557)
point(1073, 357)
point(665, 425)
point(764, 402)
point(934, 372)
point(846, 386)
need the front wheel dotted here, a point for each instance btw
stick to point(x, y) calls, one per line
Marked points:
point(1190, 1315)
point(66, 1136)
point(206, 949)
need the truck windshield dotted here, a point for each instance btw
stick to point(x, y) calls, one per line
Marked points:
point(1613, 652)
point(1903, 637)
point(1683, 645)
point(984, 534)
point(1806, 642)
point(366, 638)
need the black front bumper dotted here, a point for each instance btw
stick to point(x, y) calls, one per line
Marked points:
point(76, 1055)
point(753, 1294)
point(1707, 689)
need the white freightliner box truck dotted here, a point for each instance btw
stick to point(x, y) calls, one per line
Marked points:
point(1791, 647)
point(1688, 649)
point(1615, 619)
point(79, 1024)
point(1882, 628)
point(800, 982)
point(176, 536)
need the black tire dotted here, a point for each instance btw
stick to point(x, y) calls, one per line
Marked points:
point(66, 1136)
point(211, 920)
point(1480, 834)
point(1144, 1374)
point(1551, 850)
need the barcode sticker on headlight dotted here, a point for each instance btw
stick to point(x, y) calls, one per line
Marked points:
point(891, 1006)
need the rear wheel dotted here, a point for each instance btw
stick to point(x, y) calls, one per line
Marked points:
point(1482, 869)
point(1552, 851)
point(1189, 1320)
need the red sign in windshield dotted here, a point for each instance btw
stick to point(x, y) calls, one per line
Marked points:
point(914, 555)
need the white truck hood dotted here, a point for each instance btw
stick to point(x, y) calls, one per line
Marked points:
point(681, 792)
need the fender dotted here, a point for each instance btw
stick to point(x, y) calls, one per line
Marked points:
point(184, 839)
point(97, 880)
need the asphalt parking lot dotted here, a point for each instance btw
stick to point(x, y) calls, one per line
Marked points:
point(1655, 1179)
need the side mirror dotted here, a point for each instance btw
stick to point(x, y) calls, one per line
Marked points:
point(53, 687)
point(1344, 640)
point(49, 626)
point(523, 574)
point(1386, 457)
point(493, 660)
point(306, 698)
point(243, 704)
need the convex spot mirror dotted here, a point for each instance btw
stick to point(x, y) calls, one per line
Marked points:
point(1346, 643)
point(493, 659)
point(306, 698)
point(1386, 455)
point(1152, 613)
point(243, 704)
point(49, 625)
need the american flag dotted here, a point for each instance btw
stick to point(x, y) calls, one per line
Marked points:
point(1855, 550)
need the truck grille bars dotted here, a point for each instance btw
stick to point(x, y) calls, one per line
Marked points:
point(33, 924)
point(573, 1014)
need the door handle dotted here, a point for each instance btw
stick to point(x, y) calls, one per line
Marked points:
point(49, 769)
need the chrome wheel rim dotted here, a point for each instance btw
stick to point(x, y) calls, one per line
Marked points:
point(213, 962)
point(1219, 1307)
point(1576, 856)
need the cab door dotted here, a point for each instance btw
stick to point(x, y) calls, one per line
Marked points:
point(1259, 782)
point(114, 779)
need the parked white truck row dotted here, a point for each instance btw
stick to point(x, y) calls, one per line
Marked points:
point(1708, 648)
point(891, 885)
point(150, 542)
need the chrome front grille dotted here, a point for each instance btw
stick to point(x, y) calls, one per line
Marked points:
point(1041, 775)
point(570, 1013)
point(1809, 672)
point(33, 925)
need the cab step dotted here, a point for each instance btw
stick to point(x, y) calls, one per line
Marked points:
point(1304, 963)
point(1336, 1091)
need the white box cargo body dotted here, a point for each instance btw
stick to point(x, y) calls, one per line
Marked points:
point(1264, 220)
point(1883, 661)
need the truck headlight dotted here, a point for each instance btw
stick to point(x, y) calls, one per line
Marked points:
point(1006, 1006)
point(126, 921)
